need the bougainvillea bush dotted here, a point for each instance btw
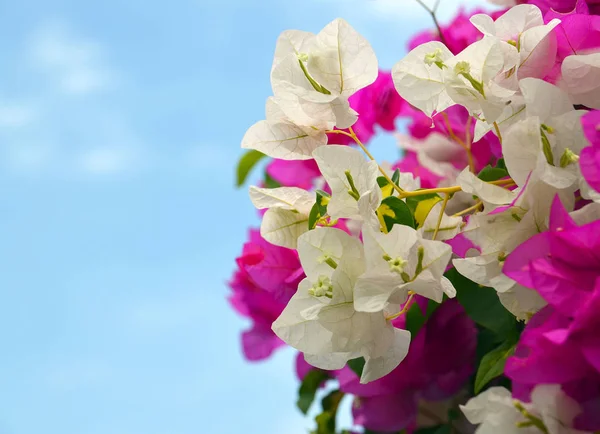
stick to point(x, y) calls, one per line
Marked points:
point(456, 290)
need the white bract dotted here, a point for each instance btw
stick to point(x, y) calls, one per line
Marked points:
point(399, 262)
point(432, 79)
point(350, 176)
point(548, 141)
point(473, 77)
point(497, 232)
point(550, 410)
point(523, 28)
point(287, 213)
point(312, 78)
point(279, 137)
point(421, 82)
point(581, 79)
point(320, 319)
point(447, 229)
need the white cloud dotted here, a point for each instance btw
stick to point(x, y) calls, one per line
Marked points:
point(78, 65)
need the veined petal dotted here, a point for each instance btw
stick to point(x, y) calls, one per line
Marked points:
point(283, 140)
point(292, 198)
point(420, 84)
point(282, 227)
point(342, 60)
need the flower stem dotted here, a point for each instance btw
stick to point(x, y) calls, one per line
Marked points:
point(407, 306)
point(468, 210)
point(466, 145)
point(439, 222)
point(497, 128)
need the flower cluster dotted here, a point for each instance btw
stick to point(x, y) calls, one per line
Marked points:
point(460, 285)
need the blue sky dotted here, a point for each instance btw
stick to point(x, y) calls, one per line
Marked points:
point(120, 125)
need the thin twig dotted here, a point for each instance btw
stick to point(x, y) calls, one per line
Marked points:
point(442, 211)
point(432, 12)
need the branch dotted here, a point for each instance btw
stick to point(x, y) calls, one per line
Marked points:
point(433, 12)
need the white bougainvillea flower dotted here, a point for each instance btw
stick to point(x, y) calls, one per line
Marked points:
point(314, 75)
point(449, 226)
point(581, 79)
point(287, 213)
point(349, 175)
point(491, 195)
point(398, 262)
point(279, 137)
point(523, 28)
point(499, 232)
point(320, 319)
point(548, 141)
point(419, 77)
point(472, 76)
point(550, 410)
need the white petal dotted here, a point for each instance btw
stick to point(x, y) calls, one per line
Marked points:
point(485, 270)
point(378, 367)
point(522, 302)
point(304, 335)
point(282, 227)
point(537, 50)
point(423, 85)
point(487, 192)
point(342, 60)
point(581, 76)
point(333, 162)
point(282, 140)
point(292, 198)
point(521, 147)
point(373, 291)
point(320, 243)
point(292, 41)
point(436, 258)
point(331, 361)
point(448, 229)
point(543, 99)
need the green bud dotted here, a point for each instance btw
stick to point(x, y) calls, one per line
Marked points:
point(353, 190)
point(546, 147)
point(568, 157)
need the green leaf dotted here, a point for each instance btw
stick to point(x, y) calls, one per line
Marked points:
point(326, 420)
point(396, 176)
point(500, 164)
point(422, 205)
point(246, 164)
point(489, 173)
point(415, 319)
point(308, 389)
point(357, 365)
point(483, 305)
point(492, 364)
point(271, 182)
point(395, 211)
point(319, 209)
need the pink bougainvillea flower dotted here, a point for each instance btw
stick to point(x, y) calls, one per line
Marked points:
point(590, 157)
point(561, 343)
point(378, 105)
point(266, 278)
